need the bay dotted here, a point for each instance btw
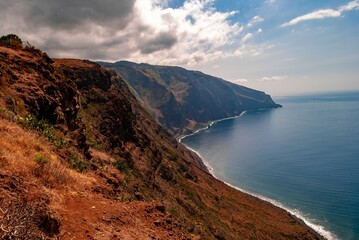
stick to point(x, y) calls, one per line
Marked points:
point(304, 156)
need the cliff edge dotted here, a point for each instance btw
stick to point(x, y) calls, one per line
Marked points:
point(80, 158)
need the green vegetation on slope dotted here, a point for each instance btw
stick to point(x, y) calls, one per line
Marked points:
point(183, 100)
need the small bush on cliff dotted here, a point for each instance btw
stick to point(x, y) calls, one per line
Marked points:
point(11, 40)
point(45, 128)
point(41, 160)
point(78, 163)
point(122, 166)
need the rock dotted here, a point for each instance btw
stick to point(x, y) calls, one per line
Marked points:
point(50, 225)
point(139, 196)
point(161, 208)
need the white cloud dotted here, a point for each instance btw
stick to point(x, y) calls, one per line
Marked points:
point(246, 38)
point(274, 78)
point(320, 14)
point(140, 30)
point(324, 13)
point(353, 5)
point(240, 80)
point(259, 30)
point(255, 20)
point(252, 50)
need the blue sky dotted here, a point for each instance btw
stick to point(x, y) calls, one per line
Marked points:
point(278, 46)
point(310, 56)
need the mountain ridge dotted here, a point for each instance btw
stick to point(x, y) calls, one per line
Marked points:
point(184, 100)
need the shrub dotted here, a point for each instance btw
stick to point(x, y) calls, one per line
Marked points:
point(41, 160)
point(122, 166)
point(11, 40)
point(45, 128)
point(51, 172)
point(78, 163)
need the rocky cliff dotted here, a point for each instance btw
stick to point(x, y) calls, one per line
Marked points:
point(80, 158)
point(183, 100)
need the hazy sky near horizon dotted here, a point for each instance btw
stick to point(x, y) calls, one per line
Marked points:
point(278, 46)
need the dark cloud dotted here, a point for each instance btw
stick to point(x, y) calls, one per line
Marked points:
point(71, 13)
point(160, 42)
point(75, 27)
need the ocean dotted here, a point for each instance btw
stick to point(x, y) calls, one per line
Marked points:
point(303, 157)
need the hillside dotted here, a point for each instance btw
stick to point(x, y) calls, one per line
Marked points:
point(80, 158)
point(183, 100)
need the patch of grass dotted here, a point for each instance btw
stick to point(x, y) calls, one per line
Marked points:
point(78, 163)
point(41, 160)
point(52, 173)
point(122, 166)
point(173, 211)
point(24, 154)
point(7, 114)
point(95, 145)
point(125, 197)
point(44, 127)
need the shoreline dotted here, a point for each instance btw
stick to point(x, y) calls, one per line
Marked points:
point(210, 125)
point(319, 231)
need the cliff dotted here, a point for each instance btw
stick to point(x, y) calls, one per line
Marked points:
point(183, 100)
point(80, 158)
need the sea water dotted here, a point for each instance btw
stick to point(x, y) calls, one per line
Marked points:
point(303, 157)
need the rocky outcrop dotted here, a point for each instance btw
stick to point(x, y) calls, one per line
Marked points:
point(33, 86)
point(106, 108)
point(183, 100)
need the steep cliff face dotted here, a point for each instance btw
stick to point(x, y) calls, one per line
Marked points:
point(137, 182)
point(183, 100)
point(31, 85)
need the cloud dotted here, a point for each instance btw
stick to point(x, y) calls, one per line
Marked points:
point(162, 41)
point(67, 14)
point(353, 5)
point(260, 30)
point(247, 37)
point(270, 2)
point(274, 78)
point(240, 80)
point(252, 50)
point(320, 14)
point(255, 20)
point(324, 13)
point(135, 30)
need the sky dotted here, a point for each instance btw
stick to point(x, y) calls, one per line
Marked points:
point(278, 46)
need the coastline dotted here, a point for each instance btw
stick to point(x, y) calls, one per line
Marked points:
point(319, 231)
point(210, 125)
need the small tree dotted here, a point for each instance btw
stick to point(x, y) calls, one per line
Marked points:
point(11, 40)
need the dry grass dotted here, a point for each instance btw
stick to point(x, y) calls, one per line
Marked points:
point(34, 180)
point(24, 153)
point(19, 219)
